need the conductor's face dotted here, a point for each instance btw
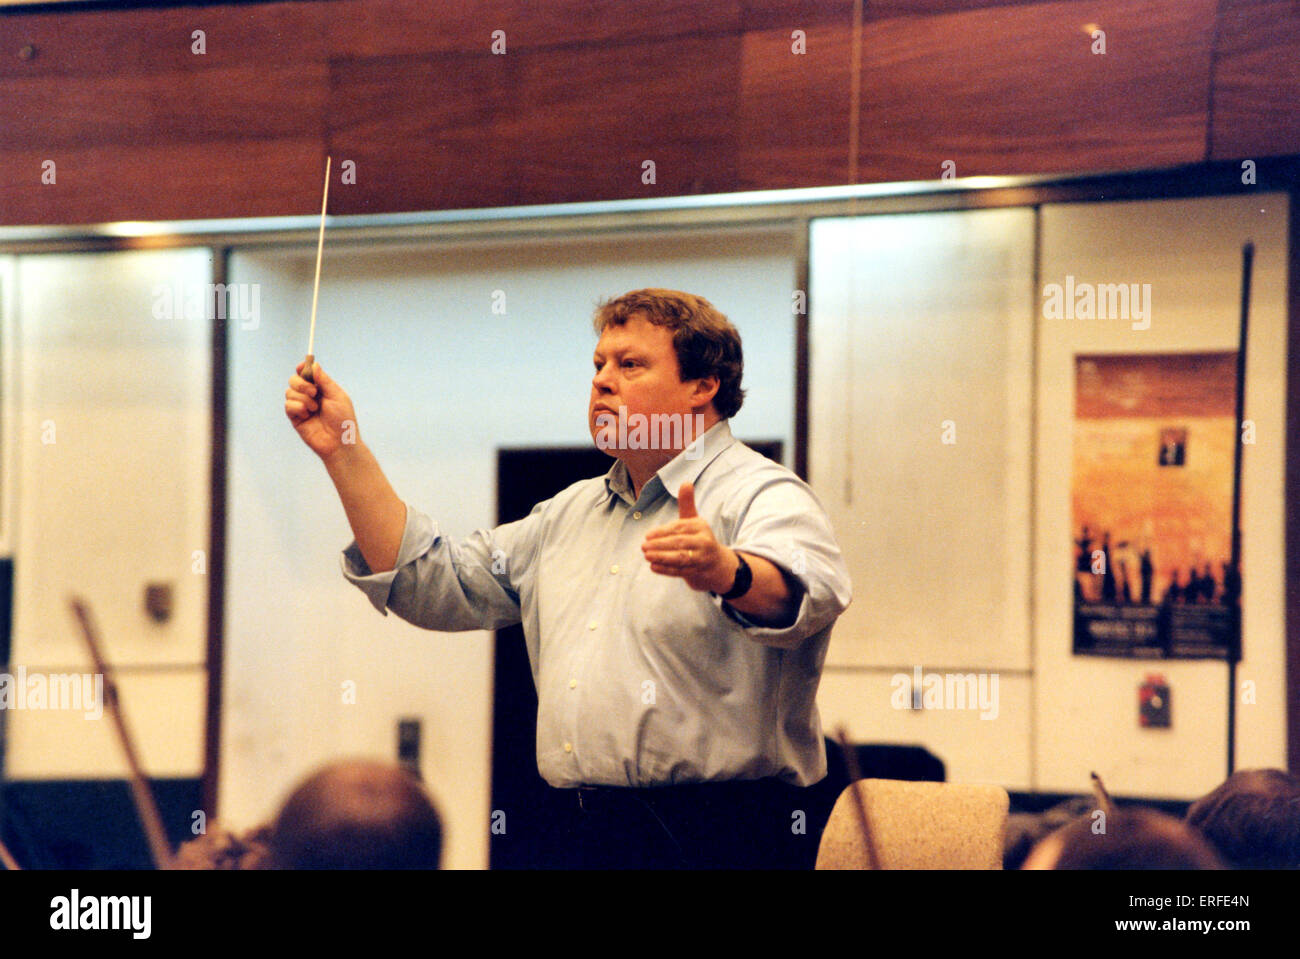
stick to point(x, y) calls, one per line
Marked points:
point(636, 369)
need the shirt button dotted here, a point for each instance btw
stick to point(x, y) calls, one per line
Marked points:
point(636, 515)
point(573, 684)
point(568, 747)
point(614, 568)
point(591, 625)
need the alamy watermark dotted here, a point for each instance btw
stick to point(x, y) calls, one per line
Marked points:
point(1098, 301)
point(74, 691)
point(923, 690)
point(209, 301)
point(656, 431)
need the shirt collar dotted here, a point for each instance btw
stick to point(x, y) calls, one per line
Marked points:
point(685, 467)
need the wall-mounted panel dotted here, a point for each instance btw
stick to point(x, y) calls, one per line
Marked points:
point(114, 451)
point(921, 375)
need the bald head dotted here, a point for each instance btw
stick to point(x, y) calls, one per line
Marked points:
point(1126, 839)
point(358, 815)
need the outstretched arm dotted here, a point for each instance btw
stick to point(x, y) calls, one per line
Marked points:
point(322, 414)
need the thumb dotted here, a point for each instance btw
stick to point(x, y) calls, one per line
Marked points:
point(686, 502)
point(321, 377)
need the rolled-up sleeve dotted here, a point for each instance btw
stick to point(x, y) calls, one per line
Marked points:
point(785, 524)
point(439, 584)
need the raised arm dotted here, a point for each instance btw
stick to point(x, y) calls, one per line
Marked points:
point(322, 414)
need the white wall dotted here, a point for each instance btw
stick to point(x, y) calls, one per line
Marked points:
point(112, 450)
point(919, 447)
point(1190, 253)
point(440, 382)
point(902, 300)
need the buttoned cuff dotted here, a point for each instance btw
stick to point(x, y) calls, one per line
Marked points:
point(417, 537)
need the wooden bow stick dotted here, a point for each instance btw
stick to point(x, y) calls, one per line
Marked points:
point(1104, 802)
point(855, 774)
point(7, 859)
point(145, 806)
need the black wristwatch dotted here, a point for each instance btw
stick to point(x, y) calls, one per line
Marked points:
point(744, 580)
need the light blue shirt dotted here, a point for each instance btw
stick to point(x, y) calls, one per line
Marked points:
point(641, 680)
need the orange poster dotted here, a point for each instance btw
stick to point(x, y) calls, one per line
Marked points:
point(1154, 441)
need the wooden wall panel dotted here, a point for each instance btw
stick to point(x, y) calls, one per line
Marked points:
point(369, 28)
point(591, 116)
point(1017, 89)
point(790, 15)
point(443, 141)
point(1257, 80)
point(102, 184)
point(540, 126)
point(588, 90)
point(236, 103)
point(794, 109)
point(158, 40)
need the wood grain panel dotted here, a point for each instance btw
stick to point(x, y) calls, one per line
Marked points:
point(163, 182)
point(886, 9)
point(368, 28)
point(1256, 85)
point(158, 40)
point(543, 126)
point(591, 116)
point(425, 132)
point(789, 15)
point(246, 102)
point(1017, 89)
point(794, 109)
point(588, 90)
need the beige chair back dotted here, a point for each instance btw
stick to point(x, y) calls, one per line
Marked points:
point(918, 825)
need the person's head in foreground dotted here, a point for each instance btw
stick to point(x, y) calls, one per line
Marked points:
point(1124, 839)
point(1252, 819)
point(357, 815)
point(662, 354)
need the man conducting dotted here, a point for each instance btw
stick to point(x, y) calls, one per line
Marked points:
point(676, 610)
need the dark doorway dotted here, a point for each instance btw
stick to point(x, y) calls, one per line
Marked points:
point(526, 477)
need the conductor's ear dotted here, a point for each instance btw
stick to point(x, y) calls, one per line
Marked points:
point(706, 388)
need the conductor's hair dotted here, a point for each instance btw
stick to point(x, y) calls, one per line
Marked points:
point(358, 815)
point(705, 341)
point(1252, 819)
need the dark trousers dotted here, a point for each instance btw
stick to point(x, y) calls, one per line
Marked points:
point(752, 824)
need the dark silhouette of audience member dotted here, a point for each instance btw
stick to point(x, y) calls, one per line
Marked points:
point(1108, 591)
point(1083, 568)
point(1025, 830)
point(1125, 592)
point(1172, 452)
point(358, 815)
point(1085, 555)
point(1133, 838)
point(1252, 819)
point(1148, 572)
